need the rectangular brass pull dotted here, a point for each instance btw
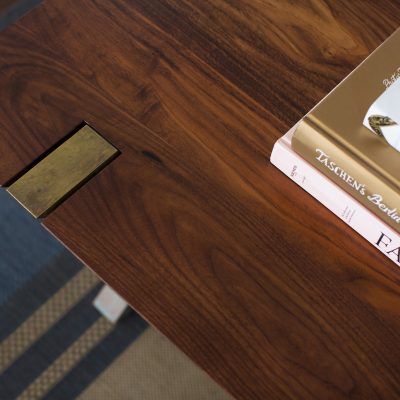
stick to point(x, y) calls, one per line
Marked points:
point(59, 174)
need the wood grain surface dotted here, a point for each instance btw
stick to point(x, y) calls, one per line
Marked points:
point(266, 290)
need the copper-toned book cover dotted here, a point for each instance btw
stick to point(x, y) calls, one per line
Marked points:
point(353, 135)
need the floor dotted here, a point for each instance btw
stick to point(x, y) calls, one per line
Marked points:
point(55, 345)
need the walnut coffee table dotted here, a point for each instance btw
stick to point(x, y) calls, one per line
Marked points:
point(183, 215)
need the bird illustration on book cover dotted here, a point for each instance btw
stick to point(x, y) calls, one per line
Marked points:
point(383, 115)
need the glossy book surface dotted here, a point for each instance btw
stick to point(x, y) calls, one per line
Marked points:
point(355, 144)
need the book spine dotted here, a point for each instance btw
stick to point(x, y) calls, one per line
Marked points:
point(337, 201)
point(367, 186)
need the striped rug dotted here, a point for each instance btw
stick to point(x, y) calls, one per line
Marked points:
point(55, 345)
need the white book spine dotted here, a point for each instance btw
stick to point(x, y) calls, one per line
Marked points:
point(337, 200)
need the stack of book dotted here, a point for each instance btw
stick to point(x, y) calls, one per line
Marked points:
point(346, 151)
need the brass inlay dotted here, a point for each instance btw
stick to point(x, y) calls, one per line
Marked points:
point(48, 183)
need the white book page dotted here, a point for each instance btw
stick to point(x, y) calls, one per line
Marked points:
point(353, 213)
point(387, 105)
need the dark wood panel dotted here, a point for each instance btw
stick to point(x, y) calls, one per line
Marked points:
point(285, 55)
point(259, 284)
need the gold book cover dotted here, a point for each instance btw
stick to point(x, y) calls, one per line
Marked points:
point(353, 134)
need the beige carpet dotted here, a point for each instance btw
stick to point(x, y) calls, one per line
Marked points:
point(54, 345)
point(152, 368)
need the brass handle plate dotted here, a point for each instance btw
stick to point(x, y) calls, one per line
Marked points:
point(63, 171)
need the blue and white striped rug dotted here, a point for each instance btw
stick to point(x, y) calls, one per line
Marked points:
point(55, 345)
point(53, 342)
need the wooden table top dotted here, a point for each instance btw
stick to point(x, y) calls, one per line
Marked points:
point(259, 284)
